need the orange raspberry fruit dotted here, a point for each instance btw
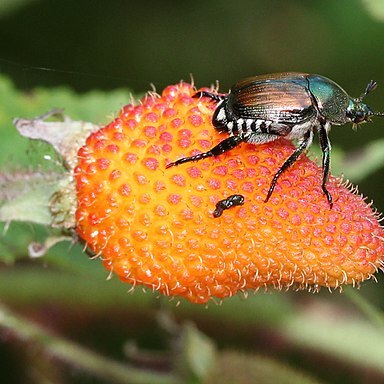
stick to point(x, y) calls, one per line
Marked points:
point(155, 226)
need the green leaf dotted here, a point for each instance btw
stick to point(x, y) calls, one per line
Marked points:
point(198, 352)
point(8, 6)
point(26, 196)
point(375, 8)
point(356, 165)
point(350, 339)
point(369, 159)
point(240, 368)
point(96, 107)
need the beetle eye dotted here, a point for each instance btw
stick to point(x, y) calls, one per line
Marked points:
point(359, 117)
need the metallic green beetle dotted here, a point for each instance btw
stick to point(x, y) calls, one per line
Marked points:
point(293, 105)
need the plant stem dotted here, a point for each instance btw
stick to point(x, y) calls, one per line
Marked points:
point(372, 313)
point(77, 356)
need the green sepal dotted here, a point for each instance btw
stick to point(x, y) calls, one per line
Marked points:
point(26, 196)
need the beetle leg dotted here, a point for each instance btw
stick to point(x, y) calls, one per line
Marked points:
point(305, 143)
point(326, 148)
point(224, 146)
point(213, 96)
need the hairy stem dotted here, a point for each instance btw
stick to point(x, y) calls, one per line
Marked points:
point(75, 355)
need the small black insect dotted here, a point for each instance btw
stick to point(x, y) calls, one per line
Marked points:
point(227, 203)
point(293, 105)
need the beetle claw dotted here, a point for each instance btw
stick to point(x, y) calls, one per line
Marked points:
point(213, 96)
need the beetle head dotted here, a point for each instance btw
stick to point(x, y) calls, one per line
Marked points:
point(359, 112)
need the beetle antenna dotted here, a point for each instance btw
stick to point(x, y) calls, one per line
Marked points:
point(370, 87)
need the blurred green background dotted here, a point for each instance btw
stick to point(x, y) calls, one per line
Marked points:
point(75, 54)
